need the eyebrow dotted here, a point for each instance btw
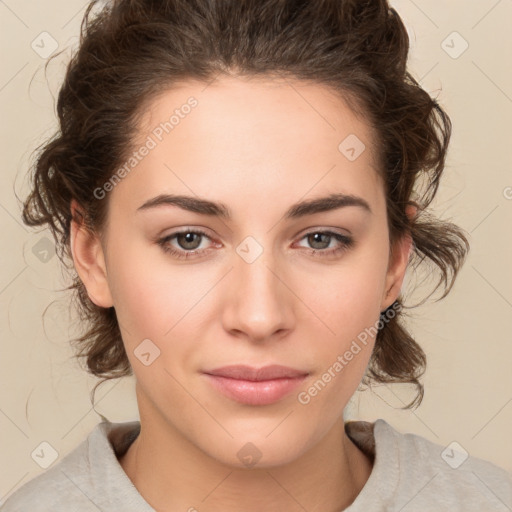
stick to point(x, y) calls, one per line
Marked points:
point(298, 210)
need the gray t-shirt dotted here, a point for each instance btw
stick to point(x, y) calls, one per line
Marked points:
point(409, 474)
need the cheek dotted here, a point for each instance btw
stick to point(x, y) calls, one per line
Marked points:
point(347, 297)
point(150, 293)
point(349, 307)
point(155, 302)
point(346, 301)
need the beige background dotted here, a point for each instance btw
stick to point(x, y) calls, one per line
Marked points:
point(45, 395)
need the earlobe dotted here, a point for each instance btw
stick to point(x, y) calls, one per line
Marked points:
point(88, 259)
point(396, 270)
point(398, 264)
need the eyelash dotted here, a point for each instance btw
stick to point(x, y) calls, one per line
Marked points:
point(346, 243)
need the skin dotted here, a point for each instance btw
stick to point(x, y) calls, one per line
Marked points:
point(258, 146)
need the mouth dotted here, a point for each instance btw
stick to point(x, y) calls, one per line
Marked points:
point(255, 386)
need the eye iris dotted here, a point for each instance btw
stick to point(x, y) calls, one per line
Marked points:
point(188, 236)
point(312, 238)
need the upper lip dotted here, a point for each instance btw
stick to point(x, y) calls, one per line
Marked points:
point(244, 372)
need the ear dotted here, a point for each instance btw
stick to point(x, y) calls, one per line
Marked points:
point(88, 258)
point(398, 264)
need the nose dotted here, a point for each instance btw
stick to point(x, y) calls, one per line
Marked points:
point(260, 304)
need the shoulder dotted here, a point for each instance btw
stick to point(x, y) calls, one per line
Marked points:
point(446, 476)
point(419, 474)
point(54, 488)
point(84, 477)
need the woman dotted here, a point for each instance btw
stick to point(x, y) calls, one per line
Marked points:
point(237, 184)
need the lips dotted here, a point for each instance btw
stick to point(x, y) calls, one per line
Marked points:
point(255, 386)
point(243, 372)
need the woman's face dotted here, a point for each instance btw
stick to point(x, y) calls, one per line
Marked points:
point(249, 291)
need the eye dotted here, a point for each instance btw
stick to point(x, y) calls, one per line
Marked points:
point(323, 239)
point(189, 241)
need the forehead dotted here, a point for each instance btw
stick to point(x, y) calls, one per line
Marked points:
point(238, 140)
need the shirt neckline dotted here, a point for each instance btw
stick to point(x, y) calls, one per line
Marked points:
point(112, 440)
point(379, 490)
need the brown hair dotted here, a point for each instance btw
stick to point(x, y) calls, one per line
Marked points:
point(134, 49)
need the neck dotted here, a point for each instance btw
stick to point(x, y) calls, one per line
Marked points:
point(173, 474)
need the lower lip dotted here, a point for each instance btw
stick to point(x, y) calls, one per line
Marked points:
point(255, 393)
